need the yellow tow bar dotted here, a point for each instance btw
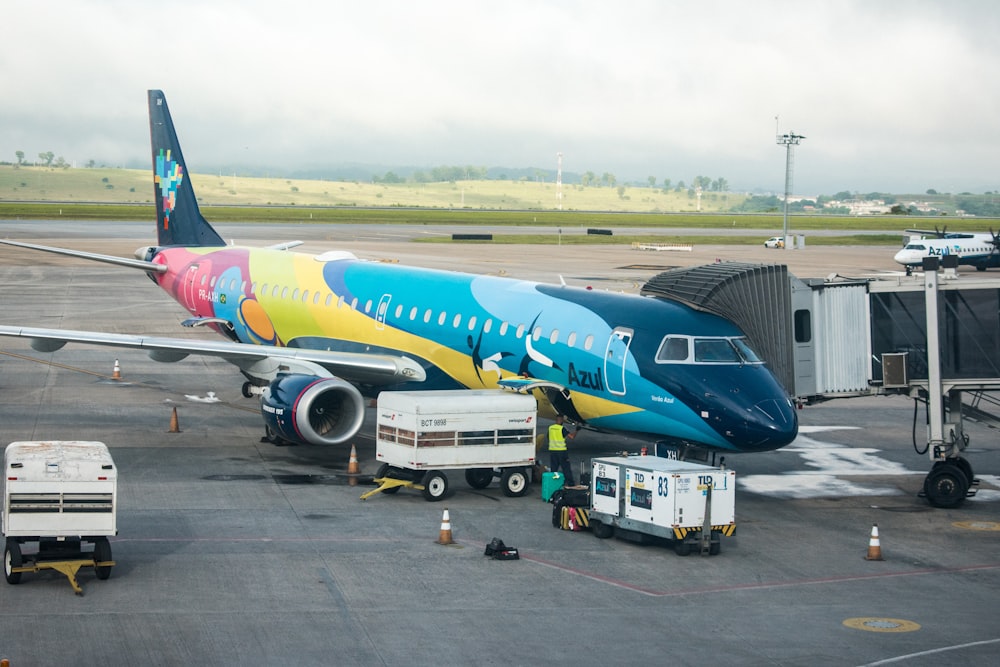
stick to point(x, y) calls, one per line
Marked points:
point(388, 483)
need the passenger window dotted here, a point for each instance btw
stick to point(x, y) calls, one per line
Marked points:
point(488, 325)
point(571, 341)
point(536, 334)
point(441, 318)
point(520, 331)
point(472, 323)
point(455, 322)
point(284, 293)
point(305, 296)
point(368, 306)
point(399, 310)
point(329, 298)
point(503, 328)
point(413, 313)
point(295, 294)
point(274, 292)
point(212, 282)
point(588, 342)
point(554, 336)
point(427, 316)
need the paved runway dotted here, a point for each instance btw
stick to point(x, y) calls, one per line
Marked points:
point(234, 551)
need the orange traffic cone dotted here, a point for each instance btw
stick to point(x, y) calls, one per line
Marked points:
point(353, 467)
point(174, 426)
point(445, 536)
point(874, 548)
point(116, 374)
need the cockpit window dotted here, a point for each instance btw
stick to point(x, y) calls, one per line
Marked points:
point(674, 348)
point(677, 349)
point(714, 350)
point(916, 246)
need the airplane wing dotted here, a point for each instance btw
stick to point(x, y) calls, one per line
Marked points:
point(257, 360)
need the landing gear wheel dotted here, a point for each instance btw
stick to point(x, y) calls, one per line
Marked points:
point(966, 468)
point(102, 552)
point(246, 390)
point(946, 485)
point(435, 485)
point(272, 437)
point(479, 478)
point(514, 482)
point(715, 548)
point(682, 547)
point(602, 530)
point(385, 470)
point(11, 559)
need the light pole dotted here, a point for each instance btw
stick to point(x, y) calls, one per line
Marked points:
point(788, 140)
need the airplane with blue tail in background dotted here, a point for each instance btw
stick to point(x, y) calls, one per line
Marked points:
point(317, 335)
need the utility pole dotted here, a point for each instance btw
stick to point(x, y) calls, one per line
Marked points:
point(787, 140)
point(559, 156)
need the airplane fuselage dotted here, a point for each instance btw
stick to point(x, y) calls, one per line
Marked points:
point(971, 250)
point(471, 331)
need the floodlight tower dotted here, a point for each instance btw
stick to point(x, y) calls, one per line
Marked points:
point(559, 180)
point(788, 140)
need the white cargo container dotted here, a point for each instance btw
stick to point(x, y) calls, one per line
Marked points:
point(689, 503)
point(420, 434)
point(59, 494)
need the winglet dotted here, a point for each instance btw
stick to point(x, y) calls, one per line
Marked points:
point(178, 219)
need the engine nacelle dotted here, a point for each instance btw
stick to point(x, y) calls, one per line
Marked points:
point(312, 410)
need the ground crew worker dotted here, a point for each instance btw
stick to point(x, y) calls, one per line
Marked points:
point(558, 456)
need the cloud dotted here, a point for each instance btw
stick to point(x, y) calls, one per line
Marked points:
point(890, 98)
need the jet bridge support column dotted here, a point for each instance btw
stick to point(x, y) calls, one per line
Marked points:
point(950, 479)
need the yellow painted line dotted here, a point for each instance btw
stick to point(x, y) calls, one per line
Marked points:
point(977, 525)
point(874, 624)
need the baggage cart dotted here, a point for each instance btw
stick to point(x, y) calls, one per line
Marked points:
point(485, 433)
point(60, 495)
point(691, 504)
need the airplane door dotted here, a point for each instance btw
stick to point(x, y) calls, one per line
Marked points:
point(614, 359)
point(383, 308)
point(190, 288)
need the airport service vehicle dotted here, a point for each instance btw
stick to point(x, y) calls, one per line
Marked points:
point(775, 242)
point(59, 494)
point(487, 433)
point(691, 504)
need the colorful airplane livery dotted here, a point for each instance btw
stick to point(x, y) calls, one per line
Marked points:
point(315, 336)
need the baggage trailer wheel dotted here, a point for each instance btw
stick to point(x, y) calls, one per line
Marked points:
point(11, 559)
point(514, 482)
point(102, 553)
point(601, 530)
point(479, 478)
point(435, 485)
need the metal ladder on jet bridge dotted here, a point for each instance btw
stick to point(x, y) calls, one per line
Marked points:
point(984, 408)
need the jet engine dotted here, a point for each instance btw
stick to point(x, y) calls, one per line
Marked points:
point(306, 409)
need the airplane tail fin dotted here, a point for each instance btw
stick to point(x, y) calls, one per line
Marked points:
point(178, 219)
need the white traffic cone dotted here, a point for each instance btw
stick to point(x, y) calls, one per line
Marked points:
point(445, 536)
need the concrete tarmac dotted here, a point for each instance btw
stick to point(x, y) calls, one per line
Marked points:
point(235, 551)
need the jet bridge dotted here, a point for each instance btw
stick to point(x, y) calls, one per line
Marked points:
point(933, 336)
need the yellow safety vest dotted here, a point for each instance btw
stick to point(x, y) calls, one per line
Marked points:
point(557, 443)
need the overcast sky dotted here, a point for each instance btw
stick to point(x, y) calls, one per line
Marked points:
point(891, 96)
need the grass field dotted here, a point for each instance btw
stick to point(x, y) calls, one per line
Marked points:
point(126, 194)
point(134, 186)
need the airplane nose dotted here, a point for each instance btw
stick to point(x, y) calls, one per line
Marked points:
point(772, 424)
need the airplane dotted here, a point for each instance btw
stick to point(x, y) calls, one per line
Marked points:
point(980, 250)
point(316, 337)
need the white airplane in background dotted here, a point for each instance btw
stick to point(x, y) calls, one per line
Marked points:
point(980, 250)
